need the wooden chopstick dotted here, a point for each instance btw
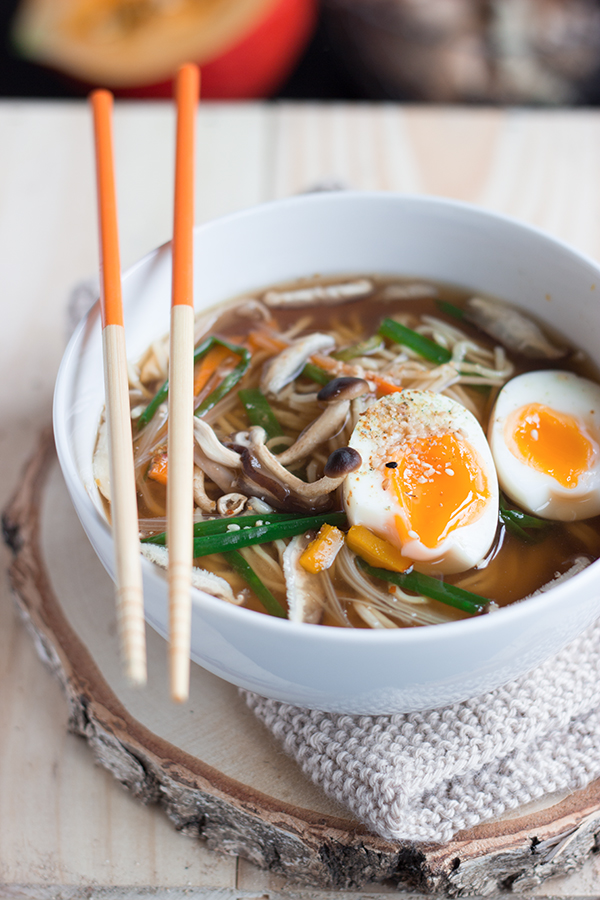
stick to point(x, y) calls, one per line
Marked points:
point(180, 450)
point(129, 592)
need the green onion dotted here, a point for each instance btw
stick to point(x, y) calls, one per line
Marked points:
point(430, 587)
point(400, 334)
point(230, 381)
point(314, 373)
point(450, 309)
point(220, 526)
point(261, 534)
point(245, 570)
point(371, 345)
point(259, 411)
point(159, 397)
point(521, 524)
point(226, 385)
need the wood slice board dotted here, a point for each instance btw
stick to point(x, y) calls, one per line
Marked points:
point(214, 768)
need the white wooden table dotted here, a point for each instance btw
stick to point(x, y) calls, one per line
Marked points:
point(65, 825)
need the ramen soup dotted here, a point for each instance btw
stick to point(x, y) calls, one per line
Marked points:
point(375, 452)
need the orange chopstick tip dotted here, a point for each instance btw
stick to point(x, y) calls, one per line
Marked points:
point(101, 101)
point(100, 95)
point(189, 71)
point(187, 85)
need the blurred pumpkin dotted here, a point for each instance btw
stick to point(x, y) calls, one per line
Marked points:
point(245, 48)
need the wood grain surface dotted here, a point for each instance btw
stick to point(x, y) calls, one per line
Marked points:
point(211, 766)
point(65, 825)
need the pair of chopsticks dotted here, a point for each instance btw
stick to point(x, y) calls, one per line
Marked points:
point(180, 452)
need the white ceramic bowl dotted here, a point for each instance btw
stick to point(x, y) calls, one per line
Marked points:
point(345, 670)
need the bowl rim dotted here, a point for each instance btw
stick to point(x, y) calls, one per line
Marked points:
point(510, 614)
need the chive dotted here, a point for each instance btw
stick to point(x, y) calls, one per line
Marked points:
point(449, 594)
point(220, 526)
point(520, 524)
point(314, 373)
point(159, 397)
point(516, 530)
point(371, 345)
point(226, 385)
point(261, 534)
point(259, 411)
point(525, 519)
point(245, 570)
point(450, 309)
point(400, 334)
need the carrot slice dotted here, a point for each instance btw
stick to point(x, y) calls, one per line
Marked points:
point(208, 365)
point(321, 552)
point(375, 550)
point(260, 340)
point(158, 470)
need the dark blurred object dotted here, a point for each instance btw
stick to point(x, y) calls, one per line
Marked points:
point(488, 51)
point(322, 72)
point(246, 48)
point(19, 78)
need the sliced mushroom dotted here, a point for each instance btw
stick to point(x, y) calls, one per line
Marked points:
point(246, 308)
point(288, 364)
point(231, 504)
point(338, 394)
point(327, 425)
point(202, 579)
point(240, 438)
point(306, 593)
point(339, 464)
point(223, 477)
point(320, 293)
point(155, 363)
point(258, 484)
point(513, 329)
point(342, 462)
point(201, 498)
point(136, 388)
point(347, 387)
point(100, 462)
point(212, 447)
point(414, 291)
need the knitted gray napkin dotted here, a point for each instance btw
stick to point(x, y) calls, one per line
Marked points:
point(425, 776)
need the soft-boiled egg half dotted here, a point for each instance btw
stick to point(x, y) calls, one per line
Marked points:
point(545, 438)
point(427, 481)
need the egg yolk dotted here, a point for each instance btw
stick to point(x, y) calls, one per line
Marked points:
point(440, 487)
point(551, 442)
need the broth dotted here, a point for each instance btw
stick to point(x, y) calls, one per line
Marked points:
point(512, 568)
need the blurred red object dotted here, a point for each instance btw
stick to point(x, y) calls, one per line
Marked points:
point(255, 66)
point(245, 48)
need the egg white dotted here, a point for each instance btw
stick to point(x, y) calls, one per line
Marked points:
point(370, 502)
point(535, 491)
